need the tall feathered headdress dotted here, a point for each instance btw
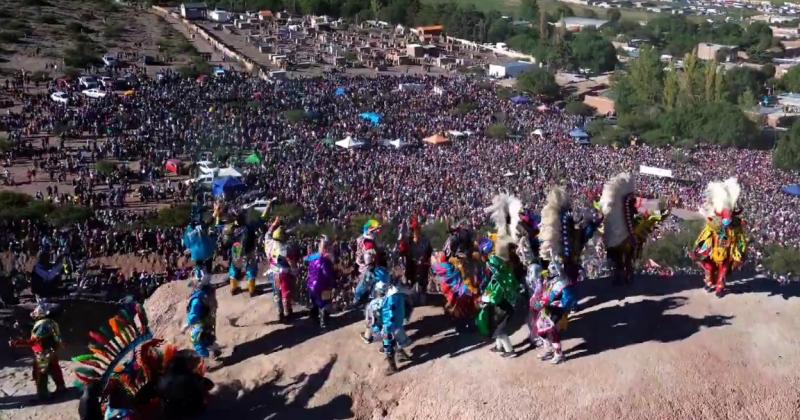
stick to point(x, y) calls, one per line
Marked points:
point(126, 339)
point(551, 231)
point(613, 203)
point(504, 213)
point(721, 198)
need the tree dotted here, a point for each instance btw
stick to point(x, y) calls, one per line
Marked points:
point(528, 10)
point(498, 30)
point(741, 79)
point(538, 82)
point(578, 108)
point(787, 153)
point(791, 80)
point(643, 85)
point(592, 51)
point(613, 15)
point(671, 88)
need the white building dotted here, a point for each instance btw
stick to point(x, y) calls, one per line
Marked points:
point(512, 69)
point(220, 16)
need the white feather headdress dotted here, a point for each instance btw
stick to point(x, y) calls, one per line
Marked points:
point(550, 230)
point(720, 195)
point(504, 213)
point(612, 204)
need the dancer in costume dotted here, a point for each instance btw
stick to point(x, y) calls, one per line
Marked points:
point(461, 277)
point(276, 250)
point(721, 246)
point(502, 291)
point(367, 247)
point(626, 225)
point(416, 252)
point(321, 282)
point(200, 242)
point(395, 311)
point(201, 313)
point(128, 376)
point(564, 234)
point(45, 341)
point(244, 237)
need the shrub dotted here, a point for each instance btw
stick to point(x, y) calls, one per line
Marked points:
point(497, 131)
point(673, 249)
point(5, 145)
point(113, 30)
point(295, 115)
point(11, 37)
point(538, 82)
point(463, 108)
point(77, 28)
point(68, 215)
point(40, 76)
point(81, 55)
point(104, 167)
point(782, 260)
point(578, 108)
point(289, 213)
point(176, 216)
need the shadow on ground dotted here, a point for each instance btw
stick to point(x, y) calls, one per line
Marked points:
point(281, 402)
point(624, 325)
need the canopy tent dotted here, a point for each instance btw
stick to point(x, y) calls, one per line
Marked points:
point(520, 100)
point(229, 172)
point(652, 170)
point(542, 108)
point(372, 117)
point(793, 189)
point(538, 132)
point(398, 143)
point(350, 143)
point(173, 166)
point(340, 91)
point(227, 185)
point(579, 136)
point(456, 134)
point(253, 159)
point(437, 139)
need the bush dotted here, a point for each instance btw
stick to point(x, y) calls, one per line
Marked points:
point(538, 82)
point(607, 134)
point(673, 249)
point(787, 153)
point(11, 37)
point(68, 215)
point(579, 108)
point(77, 28)
point(40, 76)
point(497, 131)
point(290, 213)
point(49, 19)
point(82, 56)
point(177, 216)
point(463, 108)
point(295, 115)
point(106, 168)
point(113, 30)
point(5, 145)
point(782, 260)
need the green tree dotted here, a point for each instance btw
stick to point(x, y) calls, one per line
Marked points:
point(741, 79)
point(613, 15)
point(671, 88)
point(578, 108)
point(643, 84)
point(538, 82)
point(590, 50)
point(528, 10)
point(791, 80)
point(499, 30)
point(787, 153)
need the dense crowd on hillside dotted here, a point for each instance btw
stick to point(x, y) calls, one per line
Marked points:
point(292, 124)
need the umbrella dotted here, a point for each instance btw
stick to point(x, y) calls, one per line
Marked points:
point(793, 189)
point(173, 166)
point(253, 159)
point(227, 185)
point(520, 100)
point(340, 91)
point(372, 117)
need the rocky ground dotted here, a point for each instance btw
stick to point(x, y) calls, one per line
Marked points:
point(662, 349)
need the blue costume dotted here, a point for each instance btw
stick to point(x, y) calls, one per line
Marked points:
point(201, 318)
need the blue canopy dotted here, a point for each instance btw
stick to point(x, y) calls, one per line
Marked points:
point(226, 185)
point(340, 91)
point(793, 189)
point(577, 133)
point(372, 117)
point(521, 100)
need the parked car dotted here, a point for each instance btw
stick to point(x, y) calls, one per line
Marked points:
point(106, 82)
point(94, 93)
point(60, 97)
point(110, 60)
point(207, 167)
point(88, 82)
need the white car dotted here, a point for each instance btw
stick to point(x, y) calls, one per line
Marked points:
point(94, 93)
point(109, 60)
point(60, 97)
point(258, 205)
point(207, 167)
point(88, 82)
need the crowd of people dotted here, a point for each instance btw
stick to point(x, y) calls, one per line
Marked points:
point(291, 124)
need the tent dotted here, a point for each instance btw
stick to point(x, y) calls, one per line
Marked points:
point(372, 117)
point(520, 100)
point(340, 91)
point(350, 143)
point(793, 189)
point(253, 159)
point(398, 143)
point(227, 185)
point(437, 139)
point(580, 136)
point(538, 132)
point(457, 134)
point(229, 172)
point(173, 166)
point(542, 108)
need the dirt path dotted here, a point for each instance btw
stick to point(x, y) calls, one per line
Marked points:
point(667, 351)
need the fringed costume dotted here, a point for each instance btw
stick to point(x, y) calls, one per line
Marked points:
point(721, 246)
point(626, 225)
point(128, 376)
point(321, 282)
point(201, 318)
point(45, 341)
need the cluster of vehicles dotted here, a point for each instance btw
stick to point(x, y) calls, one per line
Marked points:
point(92, 87)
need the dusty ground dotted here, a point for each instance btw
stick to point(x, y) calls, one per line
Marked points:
point(667, 351)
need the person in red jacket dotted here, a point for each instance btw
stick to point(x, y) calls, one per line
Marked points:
point(45, 341)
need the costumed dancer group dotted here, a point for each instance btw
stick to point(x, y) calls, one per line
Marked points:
point(128, 374)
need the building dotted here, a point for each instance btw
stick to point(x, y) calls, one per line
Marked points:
point(708, 51)
point(430, 33)
point(511, 69)
point(194, 11)
point(577, 24)
point(785, 33)
point(220, 16)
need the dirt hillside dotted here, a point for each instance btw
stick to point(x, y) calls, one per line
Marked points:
point(666, 351)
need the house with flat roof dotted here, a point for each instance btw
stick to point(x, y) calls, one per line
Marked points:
point(194, 11)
